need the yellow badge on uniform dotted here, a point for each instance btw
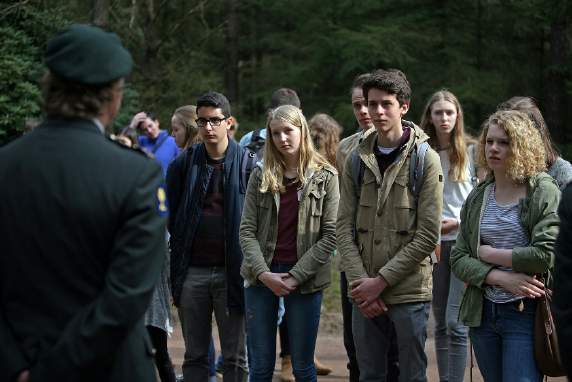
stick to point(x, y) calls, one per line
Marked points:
point(162, 201)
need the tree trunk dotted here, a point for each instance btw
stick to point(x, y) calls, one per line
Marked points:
point(555, 86)
point(101, 13)
point(231, 57)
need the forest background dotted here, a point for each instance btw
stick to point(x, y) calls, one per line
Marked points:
point(484, 51)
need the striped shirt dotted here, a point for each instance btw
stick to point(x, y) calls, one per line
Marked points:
point(501, 229)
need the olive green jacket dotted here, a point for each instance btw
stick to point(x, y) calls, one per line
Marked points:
point(316, 237)
point(538, 216)
point(396, 233)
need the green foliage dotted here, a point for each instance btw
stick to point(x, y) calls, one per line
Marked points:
point(485, 51)
point(23, 32)
point(20, 96)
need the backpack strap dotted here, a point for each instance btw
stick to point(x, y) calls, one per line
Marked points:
point(357, 170)
point(249, 159)
point(416, 165)
point(159, 143)
point(472, 165)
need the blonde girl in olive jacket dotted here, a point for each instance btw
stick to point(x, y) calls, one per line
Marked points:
point(287, 235)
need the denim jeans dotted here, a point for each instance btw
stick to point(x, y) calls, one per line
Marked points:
point(373, 340)
point(302, 317)
point(204, 291)
point(504, 344)
point(450, 334)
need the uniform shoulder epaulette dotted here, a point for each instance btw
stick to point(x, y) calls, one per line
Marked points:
point(122, 143)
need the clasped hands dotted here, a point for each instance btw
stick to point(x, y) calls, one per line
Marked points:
point(281, 284)
point(365, 292)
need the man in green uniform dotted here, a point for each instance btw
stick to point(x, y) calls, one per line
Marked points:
point(83, 236)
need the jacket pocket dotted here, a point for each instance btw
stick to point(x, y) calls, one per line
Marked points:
point(404, 206)
point(317, 201)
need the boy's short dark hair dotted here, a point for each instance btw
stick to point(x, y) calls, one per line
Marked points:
point(284, 96)
point(359, 80)
point(214, 99)
point(392, 81)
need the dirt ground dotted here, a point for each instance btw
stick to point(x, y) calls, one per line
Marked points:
point(330, 350)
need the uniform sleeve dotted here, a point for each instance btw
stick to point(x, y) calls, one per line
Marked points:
point(136, 258)
point(322, 250)
point(426, 237)
point(563, 282)
point(12, 361)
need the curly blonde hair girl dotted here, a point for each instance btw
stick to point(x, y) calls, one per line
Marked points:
point(274, 165)
point(527, 155)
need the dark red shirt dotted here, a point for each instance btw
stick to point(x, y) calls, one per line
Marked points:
point(286, 251)
point(208, 244)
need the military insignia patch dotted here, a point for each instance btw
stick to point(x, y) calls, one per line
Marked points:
point(162, 201)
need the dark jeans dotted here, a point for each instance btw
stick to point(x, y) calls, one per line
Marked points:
point(392, 355)
point(451, 336)
point(283, 333)
point(373, 338)
point(204, 291)
point(504, 344)
point(162, 359)
point(303, 317)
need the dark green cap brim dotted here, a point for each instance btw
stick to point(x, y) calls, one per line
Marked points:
point(88, 55)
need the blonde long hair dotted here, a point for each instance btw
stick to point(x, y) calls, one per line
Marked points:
point(458, 140)
point(274, 165)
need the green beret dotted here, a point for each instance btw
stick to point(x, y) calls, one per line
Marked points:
point(88, 55)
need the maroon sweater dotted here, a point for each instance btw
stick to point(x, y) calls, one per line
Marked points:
point(286, 252)
point(208, 244)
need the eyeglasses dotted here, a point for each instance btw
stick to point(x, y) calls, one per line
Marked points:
point(215, 122)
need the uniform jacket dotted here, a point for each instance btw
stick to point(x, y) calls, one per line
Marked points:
point(83, 244)
point(187, 182)
point(395, 233)
point(316, 238)
point(562, 306)
point(539, 218)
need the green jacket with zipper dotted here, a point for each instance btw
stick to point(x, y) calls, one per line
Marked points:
point(395, 232)
point(539, 218)
point(316, 235)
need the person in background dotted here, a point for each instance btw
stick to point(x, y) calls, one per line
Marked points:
point(255, 139)
point(233, 127)
point(287, 234)
point(205, 191)
point(154, 140)
point(184, 126)
point(443, 121)
point(325, 132)
point(509, 225)
point(556, 166)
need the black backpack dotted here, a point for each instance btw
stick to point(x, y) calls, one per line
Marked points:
point(256, 144)
point(415, 169)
